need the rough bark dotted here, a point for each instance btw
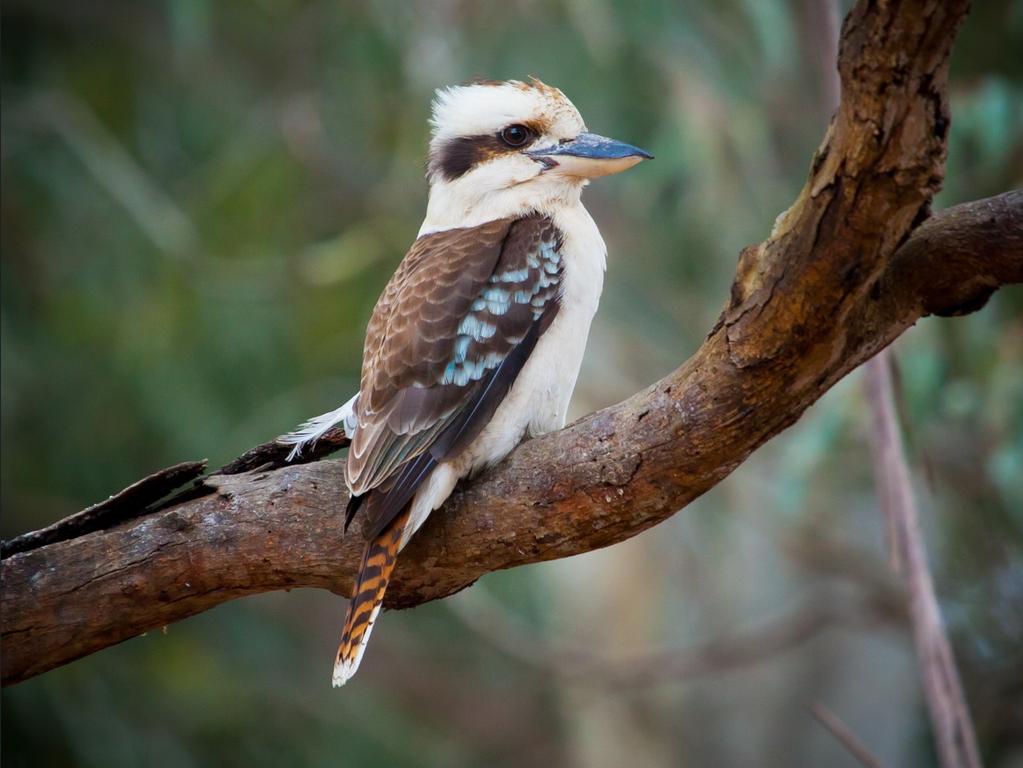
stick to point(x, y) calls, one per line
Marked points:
point(828, 289)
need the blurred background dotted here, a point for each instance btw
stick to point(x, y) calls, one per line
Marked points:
point(201, 202)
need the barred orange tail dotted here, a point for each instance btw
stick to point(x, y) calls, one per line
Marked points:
point(370, 585)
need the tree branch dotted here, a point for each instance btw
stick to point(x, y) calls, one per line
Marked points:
point(955, 740)
point(578, 664)
point(844, 735)
point(826, 291)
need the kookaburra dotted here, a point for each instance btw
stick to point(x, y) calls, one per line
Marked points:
point(477, 339)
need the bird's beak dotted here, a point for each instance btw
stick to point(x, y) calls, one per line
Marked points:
point(588, 156)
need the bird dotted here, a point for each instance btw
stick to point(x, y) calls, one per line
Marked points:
point(477, 340)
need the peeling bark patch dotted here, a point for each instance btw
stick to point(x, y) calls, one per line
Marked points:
point(134, 501)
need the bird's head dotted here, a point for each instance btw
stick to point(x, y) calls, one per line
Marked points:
point(501, 148)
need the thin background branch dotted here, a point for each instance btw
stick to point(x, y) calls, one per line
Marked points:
point(950, 715)
point(844, 735)
point(574, 663)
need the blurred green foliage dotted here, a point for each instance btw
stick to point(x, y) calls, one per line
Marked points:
point(200, 204)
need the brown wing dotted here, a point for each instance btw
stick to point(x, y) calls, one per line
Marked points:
point(446, 340)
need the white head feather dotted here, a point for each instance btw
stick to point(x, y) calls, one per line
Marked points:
point(485, 108)
point(505, 185)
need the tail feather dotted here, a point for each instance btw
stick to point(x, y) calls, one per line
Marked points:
point(374, 574)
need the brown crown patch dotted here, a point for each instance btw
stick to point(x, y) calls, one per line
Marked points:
point(538, 85)
point(486, 81)
point(534, 84)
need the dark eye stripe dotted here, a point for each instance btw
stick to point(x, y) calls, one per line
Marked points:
point(456, 157)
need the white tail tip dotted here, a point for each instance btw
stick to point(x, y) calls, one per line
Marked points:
point(343, 672)
point(345, 669)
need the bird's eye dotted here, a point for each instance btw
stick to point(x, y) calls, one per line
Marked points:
point(515, 135)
